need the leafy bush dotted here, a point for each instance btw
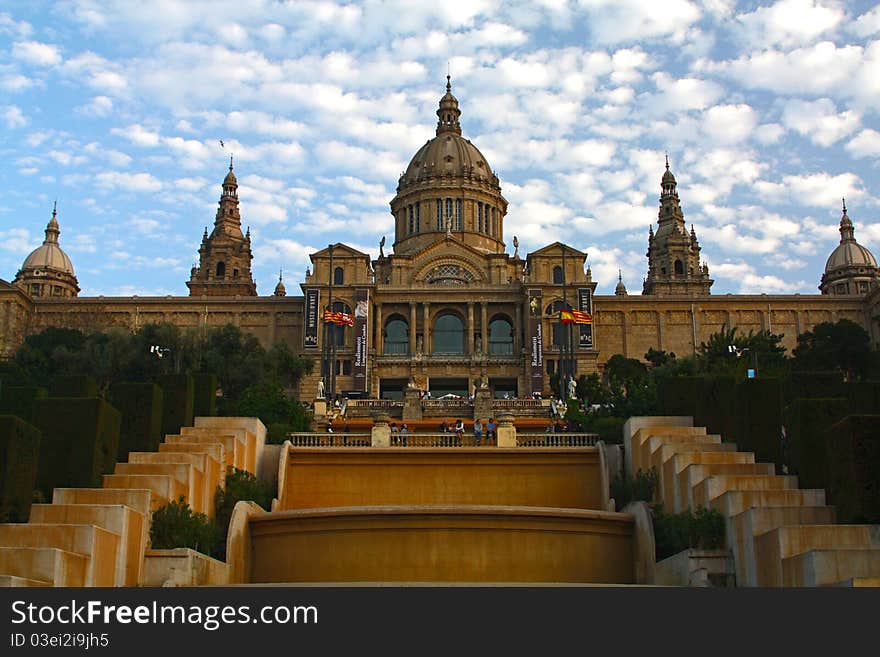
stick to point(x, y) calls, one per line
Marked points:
point(176, 525)
point(240, 485)
point(636, 489)
point(702, 529)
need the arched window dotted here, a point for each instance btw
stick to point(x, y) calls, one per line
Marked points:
point(396, 336)
point(679, 268)
point(338, 276)
point(500, 337)
point(336, 332)
point(221, 269)
point(448, 335)
point(557, 275)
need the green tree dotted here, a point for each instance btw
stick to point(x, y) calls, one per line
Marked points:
point(622, 370)
point(844, 346)
point(590, 389)
point(240, 486)
point(658, 357)
point(175, 525)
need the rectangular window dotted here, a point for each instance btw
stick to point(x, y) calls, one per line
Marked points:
point(418, 217)
point(439, 214)
point(410, 219)
point(449, 207)
point(479, 217)
point(458, 214)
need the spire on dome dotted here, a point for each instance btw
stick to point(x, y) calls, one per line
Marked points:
point(52, 228)
point(668, 183)
point(280, 290)
point(448, 112)
point(620, 290)
point(847, 232)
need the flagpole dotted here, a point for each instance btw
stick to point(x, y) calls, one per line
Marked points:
point(563, 375)
point(332, 331)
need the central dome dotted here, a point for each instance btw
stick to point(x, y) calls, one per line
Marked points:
point(448, 190)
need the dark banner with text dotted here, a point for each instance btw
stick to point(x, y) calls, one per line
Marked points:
point(361, 317)
point(585, 305)
point(310, 330)
point(536, 338)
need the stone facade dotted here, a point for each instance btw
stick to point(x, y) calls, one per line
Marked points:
point(449, 309)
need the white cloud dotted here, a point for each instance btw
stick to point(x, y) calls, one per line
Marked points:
point(99, 107)
point(729, 124)
point(675, 95)
point(133, 182)
point(12, 116)
point(865, 144)
point(788, 23)
point(36, 53)
point(622, 21)
point(819, 120)
point(137, 134)
point(868, 23)
point(816, 189)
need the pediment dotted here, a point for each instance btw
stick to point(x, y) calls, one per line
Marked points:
point(340, 250)
point(436, 264)
point(555, 249)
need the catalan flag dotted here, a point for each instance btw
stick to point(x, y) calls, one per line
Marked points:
point(333, 317)
point(566, 316)
point(575, 317)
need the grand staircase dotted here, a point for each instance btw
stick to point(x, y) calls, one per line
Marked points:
point(100, 536)
point(779, 534)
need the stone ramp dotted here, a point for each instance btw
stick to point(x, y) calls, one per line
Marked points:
point(778, 534)
point(100, 536)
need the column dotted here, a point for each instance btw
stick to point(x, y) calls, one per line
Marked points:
point(517, 329)
point(412, 327)
point(484, 325)
point(379, 333)
point(426, 328)
point(470, 326)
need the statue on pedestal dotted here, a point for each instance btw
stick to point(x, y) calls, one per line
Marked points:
point(572, 388)
point(320, 388)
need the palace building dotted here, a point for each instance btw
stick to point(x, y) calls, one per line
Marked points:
point(449, 308)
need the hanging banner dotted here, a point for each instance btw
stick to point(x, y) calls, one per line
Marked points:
point(585, 306)
point(361, 312)
point(310, 328)
point(536, 337)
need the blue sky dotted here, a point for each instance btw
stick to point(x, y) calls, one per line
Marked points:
point(769, 112)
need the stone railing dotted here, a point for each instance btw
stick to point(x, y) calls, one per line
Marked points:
point(448, 406)
point(329, 439)
point(556, 439)
point(366, 407)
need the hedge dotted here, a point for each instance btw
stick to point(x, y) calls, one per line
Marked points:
point(73, 385)
point(141, 407)
point(760, 406)
point(204, 395)
point(19, 454)
point(806, 423)
point(813, 385)
point(19, 401)
point(853, 450)
point(80, 440)
point(177, 402)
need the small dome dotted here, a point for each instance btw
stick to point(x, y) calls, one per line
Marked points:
point(49, 254)
point(849, 253)
point(230, 178)
point(280, 290)
point(620, 290)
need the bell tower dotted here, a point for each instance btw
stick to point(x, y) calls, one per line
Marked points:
point(225, 255)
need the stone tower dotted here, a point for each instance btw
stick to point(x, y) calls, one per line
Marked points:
point(225, 255)
point(674, 254)
point(47, 271)
point(851, 268)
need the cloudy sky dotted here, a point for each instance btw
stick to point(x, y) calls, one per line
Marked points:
point(769, 112)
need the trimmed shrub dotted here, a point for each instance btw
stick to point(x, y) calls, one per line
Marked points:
point(73, 385)
point(80, 440)
point(814, 385)
point(610, 429)
point(141, 407)
point(853, 449)
point(19, 401)
point(177, 402)
point(240, 485)
point(634, 489)
point(863, 397)
point(679, 395)
point(19, 454)
point(176, 525)
point(204, 395)
point(760, 404)
point(702, 529)
point(807, 422)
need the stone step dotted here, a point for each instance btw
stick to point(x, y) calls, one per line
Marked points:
point(652, 449)
point(204, 463)
point(192, 479)
point(825, 567)
point(131, 526)
point(163, 488)
point(97, 544)
point(133, 498)
point(674, 462)
point(47, 564)
point(716, 485)
point(233, 447)
point(641, 437)
point(736, 501)
point(215, 450)
point(250, 424)
point(11, 581)
point(743, 527)
point(776, 545)
point(697, 472)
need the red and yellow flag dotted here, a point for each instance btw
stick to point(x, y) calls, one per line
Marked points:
point(333, 317)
